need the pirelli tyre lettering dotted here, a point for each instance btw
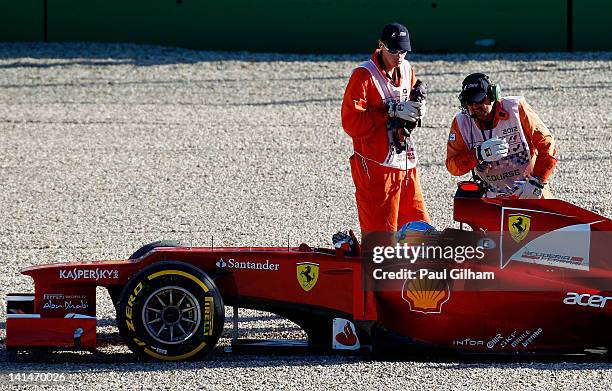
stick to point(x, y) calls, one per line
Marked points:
point(170, 311)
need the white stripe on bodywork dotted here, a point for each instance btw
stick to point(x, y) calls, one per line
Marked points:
point(19, 298)
point(10, 316)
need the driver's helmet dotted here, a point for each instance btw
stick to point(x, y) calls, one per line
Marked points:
point(417, 230)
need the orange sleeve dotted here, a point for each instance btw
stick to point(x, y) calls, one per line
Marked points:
point(357, 119)
point(540, 139)
point(459, 159)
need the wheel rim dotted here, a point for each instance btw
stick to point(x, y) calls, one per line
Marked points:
point(171, 315)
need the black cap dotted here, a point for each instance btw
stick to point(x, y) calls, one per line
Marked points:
point(395, 37)
point(475, 88)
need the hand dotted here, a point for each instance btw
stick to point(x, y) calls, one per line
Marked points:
point(492, 150)
point(530, 188)
point(408, 111)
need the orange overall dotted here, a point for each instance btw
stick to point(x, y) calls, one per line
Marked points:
point(387, 197)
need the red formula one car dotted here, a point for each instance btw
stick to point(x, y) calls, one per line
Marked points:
point(541, 286)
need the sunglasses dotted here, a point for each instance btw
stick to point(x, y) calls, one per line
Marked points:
point(397, 51)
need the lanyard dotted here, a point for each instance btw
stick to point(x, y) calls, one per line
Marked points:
point(483, 134)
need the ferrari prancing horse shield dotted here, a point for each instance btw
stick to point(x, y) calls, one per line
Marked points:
point(518, 226)
point(307, 274)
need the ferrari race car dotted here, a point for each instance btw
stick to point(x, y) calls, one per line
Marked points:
point(539, 282)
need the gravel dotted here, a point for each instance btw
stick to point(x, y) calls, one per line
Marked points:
point(107, 147)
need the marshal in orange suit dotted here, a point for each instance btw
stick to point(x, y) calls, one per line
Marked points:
point(502, 139)
point(383, 166)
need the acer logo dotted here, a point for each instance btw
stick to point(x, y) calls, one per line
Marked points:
point(586, 300)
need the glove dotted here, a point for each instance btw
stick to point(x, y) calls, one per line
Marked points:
point(423, 108)
point(528, 189)
point(338, 239)
point(408, 111)
point(492, 150)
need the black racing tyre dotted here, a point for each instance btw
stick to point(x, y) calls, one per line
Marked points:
point(170, 311)
point(115, 291)
point(160, 243)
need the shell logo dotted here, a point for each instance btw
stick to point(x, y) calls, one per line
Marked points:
point(426, 295)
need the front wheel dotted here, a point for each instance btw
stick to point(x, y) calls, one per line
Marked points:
point(170, 311)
